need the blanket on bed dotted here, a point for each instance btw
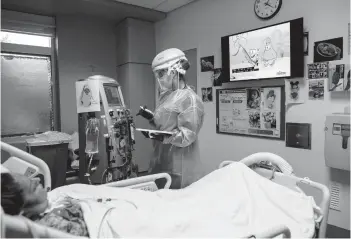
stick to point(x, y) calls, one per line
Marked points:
point(66, 217)
point(230, 202)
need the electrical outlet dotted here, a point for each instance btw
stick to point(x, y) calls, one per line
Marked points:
point(335, 191)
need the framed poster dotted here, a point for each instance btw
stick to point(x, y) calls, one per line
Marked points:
point(254, 112)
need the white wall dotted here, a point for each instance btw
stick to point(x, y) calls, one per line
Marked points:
point(202, 24)
point(82, 42)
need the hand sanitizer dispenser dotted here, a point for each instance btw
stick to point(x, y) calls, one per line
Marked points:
point(337, 140)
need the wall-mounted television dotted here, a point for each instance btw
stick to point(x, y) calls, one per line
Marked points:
point(270, 52)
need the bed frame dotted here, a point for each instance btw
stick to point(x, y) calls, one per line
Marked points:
point(20, 227)
point(291, 181)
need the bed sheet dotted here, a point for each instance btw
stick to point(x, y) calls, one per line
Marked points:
point(232, 201)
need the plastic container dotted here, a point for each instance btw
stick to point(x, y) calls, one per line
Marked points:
point(52, 148)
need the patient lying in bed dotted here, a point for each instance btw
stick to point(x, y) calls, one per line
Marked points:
point(230, 202)
point(20, 195)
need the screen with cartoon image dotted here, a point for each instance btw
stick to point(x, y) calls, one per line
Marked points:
point(263, 53)
point(270, 52)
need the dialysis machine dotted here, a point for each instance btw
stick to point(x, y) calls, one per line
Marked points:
point(337, 140)
point(106, 132)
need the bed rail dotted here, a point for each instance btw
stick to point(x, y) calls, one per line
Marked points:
point(19, 226)
point(18, 153)
point(273, 232)
point(293, 182)
point(142, 182)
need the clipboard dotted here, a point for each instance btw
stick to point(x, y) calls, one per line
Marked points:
point(150, 133)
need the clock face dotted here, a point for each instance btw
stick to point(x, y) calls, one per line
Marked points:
point(267, 9)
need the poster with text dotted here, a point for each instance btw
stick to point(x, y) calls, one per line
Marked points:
point(317, 70)
point(87, 96)
point(316, 89)
point(243, 111)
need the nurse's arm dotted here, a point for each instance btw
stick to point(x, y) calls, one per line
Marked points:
point(189, 124)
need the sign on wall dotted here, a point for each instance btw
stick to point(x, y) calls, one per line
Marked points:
point(87, 96)
point(256, 112)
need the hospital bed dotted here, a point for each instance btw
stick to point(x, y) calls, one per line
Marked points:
point(267, 165)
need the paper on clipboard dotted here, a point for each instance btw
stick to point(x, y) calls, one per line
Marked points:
point(154, 134)
point(151, 131)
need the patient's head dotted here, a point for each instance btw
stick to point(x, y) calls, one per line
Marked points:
point(21, 194)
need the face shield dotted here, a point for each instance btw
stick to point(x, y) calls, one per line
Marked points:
point(167, 74)
point(166, 77)
point(163, 79)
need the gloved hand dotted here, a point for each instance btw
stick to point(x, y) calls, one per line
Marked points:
point(153, 136)
point(156, 137)
point(145, 113)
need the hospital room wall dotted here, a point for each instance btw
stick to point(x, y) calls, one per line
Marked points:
point(135, 51)
point(83, 41)
point(202, 24)
point(86, 46)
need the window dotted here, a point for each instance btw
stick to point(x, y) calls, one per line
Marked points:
point(25, 39)
point(27, 84)
point(25, 94)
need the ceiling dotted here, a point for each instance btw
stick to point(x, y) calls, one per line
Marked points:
point(158, 5)
point(113, 10)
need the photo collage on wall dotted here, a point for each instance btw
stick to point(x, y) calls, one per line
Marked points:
point(207, 94)
point(316, 89)
point(328, 50)
point(339, 78)
point(216, 77)
point(207, 65)
point(295, 91)
point(262, 53)
point(336, 76)
point(250, 111)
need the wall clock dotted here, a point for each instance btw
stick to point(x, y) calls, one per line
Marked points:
point(267, 9)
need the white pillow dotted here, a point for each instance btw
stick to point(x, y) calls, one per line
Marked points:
point(3, 169)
